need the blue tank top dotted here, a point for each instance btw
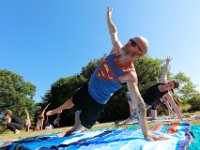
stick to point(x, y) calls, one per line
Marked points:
point(104, 81)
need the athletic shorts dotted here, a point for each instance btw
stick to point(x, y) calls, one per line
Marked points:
point(90, 109)
point(162, 105)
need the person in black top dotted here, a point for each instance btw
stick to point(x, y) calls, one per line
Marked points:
point(13, 122)
point(166, 101)
point(158, 95)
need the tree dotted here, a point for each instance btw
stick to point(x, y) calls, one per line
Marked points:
point(148, 69)
point(87, 71)
point(186, 86)
point(16, 94)
point(194, 101)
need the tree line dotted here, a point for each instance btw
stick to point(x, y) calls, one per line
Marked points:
point(17, 94)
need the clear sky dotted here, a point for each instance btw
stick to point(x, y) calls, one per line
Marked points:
point(43, 40)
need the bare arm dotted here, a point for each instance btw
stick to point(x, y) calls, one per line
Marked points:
point(173, 104)
point(113, 32)
point(165, 70)
point(136, 99)
point(27, 114)
point(45, 109)
point(139, 105)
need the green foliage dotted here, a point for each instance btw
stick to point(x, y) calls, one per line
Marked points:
point(147, 70)
point(91, 66)
point(16, 94)
point(195, 102)
point(63, 89)
point(186, 86)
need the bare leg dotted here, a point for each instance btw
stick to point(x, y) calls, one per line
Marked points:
point(154, 114)
point(133, 114)
point(67, 105)
point(131, 110)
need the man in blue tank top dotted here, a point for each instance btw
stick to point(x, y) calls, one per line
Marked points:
point(117, 69)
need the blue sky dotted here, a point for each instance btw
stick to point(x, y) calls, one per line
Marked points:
point(43, 40)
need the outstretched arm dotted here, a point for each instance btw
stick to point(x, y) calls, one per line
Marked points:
point(113, 32)
point(139, 105)
point(43, 111)
point(173, 104)
point(165, 70)
point(27, 114)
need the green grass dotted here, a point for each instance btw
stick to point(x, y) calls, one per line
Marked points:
point(8, 135)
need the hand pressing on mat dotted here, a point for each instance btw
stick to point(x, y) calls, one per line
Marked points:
point(153, 137)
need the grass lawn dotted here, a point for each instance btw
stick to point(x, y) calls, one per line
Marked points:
point(8, 135)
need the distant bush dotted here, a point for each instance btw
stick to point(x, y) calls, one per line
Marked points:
point(185, 107)
point(195, 103)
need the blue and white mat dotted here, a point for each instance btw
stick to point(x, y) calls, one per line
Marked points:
point(115, 139)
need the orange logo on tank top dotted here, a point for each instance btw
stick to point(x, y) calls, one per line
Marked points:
point(105, 71)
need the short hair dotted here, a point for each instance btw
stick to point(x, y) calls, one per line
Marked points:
point(8, 112)
point(176, 83)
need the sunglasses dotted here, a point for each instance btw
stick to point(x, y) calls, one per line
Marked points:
point(134, 44)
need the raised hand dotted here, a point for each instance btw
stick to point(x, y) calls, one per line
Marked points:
point(109, 12)
point(168, 59)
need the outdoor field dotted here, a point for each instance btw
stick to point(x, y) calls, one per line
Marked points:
point(9, 137)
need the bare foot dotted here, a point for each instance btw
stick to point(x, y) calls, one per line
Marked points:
point(66, 133)
point(16, 131)
point(125, 121)
point(61, 134)
point(80, 131)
